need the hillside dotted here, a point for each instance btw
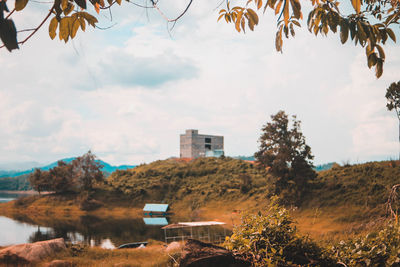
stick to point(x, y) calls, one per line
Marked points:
point(344, 200)
point(200, 180)
point(365, 185)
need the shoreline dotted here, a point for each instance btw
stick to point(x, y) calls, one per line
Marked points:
point(28, 192)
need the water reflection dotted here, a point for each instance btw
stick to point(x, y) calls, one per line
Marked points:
point(6, 196)
point(90, 230)
point(156, 221)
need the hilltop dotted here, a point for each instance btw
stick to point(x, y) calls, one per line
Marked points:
point(201, 180)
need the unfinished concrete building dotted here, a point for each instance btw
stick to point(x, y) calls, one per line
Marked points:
point(194, 145)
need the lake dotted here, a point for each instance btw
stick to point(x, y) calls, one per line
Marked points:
point(91, 230)
point(8, 196)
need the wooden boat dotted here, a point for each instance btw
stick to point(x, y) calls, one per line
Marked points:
point(133, 245)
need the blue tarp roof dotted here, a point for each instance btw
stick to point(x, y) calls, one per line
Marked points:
point(156, 221)
point(156, 207)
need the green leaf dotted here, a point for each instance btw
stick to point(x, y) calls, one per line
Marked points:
point(20, 4)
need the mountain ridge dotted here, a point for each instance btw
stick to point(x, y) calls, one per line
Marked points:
point(107, 168)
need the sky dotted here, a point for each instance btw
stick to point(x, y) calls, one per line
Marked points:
point(127, 92)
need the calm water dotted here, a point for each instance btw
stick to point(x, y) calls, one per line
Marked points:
point(106, 233)
point(5, 197)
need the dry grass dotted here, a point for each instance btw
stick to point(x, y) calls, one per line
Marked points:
point(62, 208)
point(153, 255)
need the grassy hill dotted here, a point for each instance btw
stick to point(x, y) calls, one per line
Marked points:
point(366, 184)
point(200, 180)
point(343, 200)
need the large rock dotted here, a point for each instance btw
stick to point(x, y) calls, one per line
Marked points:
point(199, 254)
point(174, 247)
point(25, 254)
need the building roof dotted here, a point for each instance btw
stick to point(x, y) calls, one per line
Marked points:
point(156, 207)
point(155, 221)
point(192, 224)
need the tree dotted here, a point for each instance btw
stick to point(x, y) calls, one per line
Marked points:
point(78, 175)
point(40, 181)
point(393, 101)
point(63, 178)
point(368, 23)
point(66, 16)
point(87, 171)
point(285, 154)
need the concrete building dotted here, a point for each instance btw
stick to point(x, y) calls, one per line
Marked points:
point(194, 145)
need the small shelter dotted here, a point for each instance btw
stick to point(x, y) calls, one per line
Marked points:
point(193, 226)
point(156, 209)
point(155, 221)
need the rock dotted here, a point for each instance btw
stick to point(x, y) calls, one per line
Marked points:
point(59, 263)
point(20, 255)
point(174, 247)
point(198, 254)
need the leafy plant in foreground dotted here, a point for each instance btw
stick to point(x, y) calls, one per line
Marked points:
point(375, 249)
point(270, 239)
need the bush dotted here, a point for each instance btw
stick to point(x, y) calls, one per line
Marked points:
point(375, 249)
point(271, 239)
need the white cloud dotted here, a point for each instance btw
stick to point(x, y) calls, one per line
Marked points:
point(128, 92)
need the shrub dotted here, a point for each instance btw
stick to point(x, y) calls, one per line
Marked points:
point(271, 239)
point(375, 249)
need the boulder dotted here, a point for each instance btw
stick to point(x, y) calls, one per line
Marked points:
point(198, 254)
point(174, 247)
point(25, 254)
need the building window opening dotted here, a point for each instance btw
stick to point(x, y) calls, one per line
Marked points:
point(207, 147)
point(208, 140)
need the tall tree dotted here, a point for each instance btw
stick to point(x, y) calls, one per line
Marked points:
point(393, 102)
point(62, 178)
point(40, 181)
point(87, 171)
point(284, 153)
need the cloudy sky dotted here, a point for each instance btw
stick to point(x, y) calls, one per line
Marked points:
point(127, 92)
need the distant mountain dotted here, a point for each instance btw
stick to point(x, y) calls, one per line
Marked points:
point(251, 158)
point(107, 168)
point(18, 180)
point(324, 167)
